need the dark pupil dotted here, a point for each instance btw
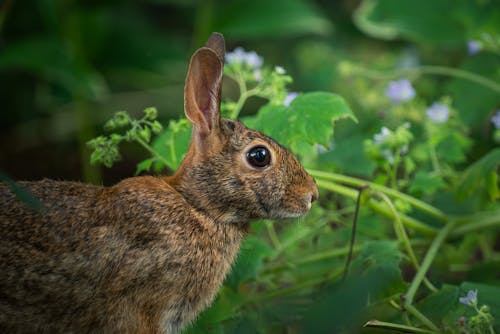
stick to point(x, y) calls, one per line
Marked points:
point(259, 157)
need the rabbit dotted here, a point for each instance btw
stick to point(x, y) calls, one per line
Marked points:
point(148, 254)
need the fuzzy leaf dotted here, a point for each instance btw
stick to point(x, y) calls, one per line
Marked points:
point(307, 121)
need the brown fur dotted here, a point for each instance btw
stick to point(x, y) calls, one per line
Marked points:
point(148, 254)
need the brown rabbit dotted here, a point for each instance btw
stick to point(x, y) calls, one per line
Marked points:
point(148, 254)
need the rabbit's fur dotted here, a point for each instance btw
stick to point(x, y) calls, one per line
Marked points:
point(148, 254)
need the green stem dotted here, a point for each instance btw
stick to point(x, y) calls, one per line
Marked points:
point(151, 150)
point(426, 263)
point(484, 223)
point(397, 327)
point(417, 314)
point(378, 207)
point(438, 70)
point(403, 237)
point(272, 235)
point(429, 209)
point(312, 259)
point(295, 288)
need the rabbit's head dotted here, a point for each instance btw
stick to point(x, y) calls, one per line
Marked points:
point(232, 173)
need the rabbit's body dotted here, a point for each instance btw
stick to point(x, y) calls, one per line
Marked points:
point(94, 259)
point(148, 254)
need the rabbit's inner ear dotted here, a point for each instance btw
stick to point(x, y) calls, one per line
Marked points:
point(202, 91)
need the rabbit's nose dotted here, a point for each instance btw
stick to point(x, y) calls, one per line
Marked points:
point(313, 198)
point(315, 193)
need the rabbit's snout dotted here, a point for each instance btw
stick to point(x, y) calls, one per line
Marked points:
point(314, 190)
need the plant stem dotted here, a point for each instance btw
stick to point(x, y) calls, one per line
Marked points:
point(429, 209)
point(378, 207)
point(151, 150)
point(353, 233)
point(426, 263)
point(312, 258)
point(272, 235)
point(403, 237)
point(417, 314)
point(295, 288)
point(427, 69)
point(397, 327)
point(486, 222)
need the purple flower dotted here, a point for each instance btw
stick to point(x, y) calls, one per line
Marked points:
point(473, 47)
point(438, 113)
point(400, 91)
point(470, 299)
point(496, 119)
point(250, 58)
point(289, 98)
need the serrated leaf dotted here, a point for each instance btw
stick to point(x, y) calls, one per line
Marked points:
point(474, 179)
point(307, 121)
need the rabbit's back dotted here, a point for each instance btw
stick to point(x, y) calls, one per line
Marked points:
point(132, 257)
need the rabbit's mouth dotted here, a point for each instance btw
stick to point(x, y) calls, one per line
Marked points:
point(296, 211)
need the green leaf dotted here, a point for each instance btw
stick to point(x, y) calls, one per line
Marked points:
point(420, 21)
point(486, 295)
point(437, 305)
point(224, 308)
point(309, 120)
point(249, 261)
point(144, 166)
point(452, 147)
point(380, 252)
point(172, 144)
point(478, 177)
point(348, 156)
point(473, 102)
point(425, 183)
point(262, 18)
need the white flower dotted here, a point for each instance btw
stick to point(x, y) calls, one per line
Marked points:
point(438, 113)
point(388, 156)
point(250, 58)
point(257, 75)
point(289, 98)
point(379, 138)
point(280, 70)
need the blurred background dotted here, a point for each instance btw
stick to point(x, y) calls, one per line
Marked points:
point(66, 66)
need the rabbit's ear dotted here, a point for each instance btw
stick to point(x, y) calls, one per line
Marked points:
point(202, 91)
point(216, 42)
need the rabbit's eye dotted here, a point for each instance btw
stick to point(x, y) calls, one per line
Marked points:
point(259, 157)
